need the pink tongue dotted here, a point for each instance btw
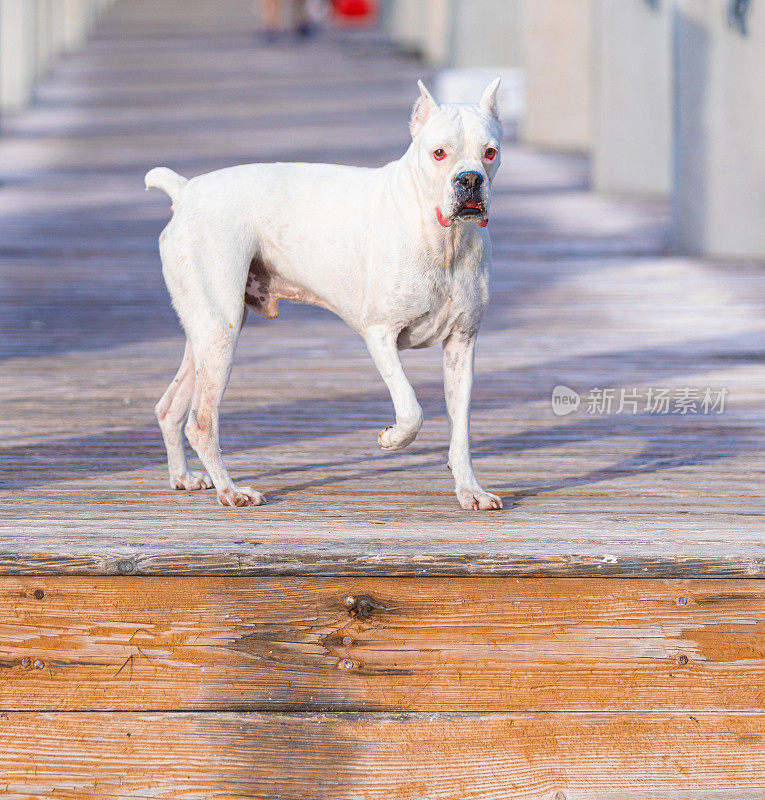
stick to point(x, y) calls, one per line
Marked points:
point(445, 223)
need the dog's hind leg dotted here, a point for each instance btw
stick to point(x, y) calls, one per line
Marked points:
point(381, 344)
point(206, 276)
point(172, 412)
point(213, 356)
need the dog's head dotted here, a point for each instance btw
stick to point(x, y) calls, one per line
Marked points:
point(457, 154)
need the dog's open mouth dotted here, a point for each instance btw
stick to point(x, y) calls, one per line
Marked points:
point(472, 209)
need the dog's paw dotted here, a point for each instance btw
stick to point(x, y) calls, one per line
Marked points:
point(478, 500)
point(240, 496)
point(396, 437)
point(191, 481)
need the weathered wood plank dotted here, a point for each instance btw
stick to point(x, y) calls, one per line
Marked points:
point(381, 644)
point(378, 757)
point(335, 558)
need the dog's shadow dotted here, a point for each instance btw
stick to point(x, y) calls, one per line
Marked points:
point(664, 442)
point(652, 458)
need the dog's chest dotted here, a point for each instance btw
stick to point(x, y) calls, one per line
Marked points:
point(445, 300)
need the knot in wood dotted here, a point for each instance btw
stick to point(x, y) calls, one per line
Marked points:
point(363, 606)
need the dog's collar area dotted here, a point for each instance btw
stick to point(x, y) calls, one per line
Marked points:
point(445, 222)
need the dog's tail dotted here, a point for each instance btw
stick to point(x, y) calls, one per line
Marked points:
point(163, 178)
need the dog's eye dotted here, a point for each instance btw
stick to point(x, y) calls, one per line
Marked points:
point(439, 154)
point(490, 154)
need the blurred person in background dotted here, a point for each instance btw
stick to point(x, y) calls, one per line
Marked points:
point(272, 14)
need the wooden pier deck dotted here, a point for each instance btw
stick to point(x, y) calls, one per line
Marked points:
point(360, 636)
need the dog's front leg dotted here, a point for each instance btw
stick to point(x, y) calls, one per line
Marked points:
point(459, 350)
point(381, 343)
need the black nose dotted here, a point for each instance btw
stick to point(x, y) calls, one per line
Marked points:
point(470, 179)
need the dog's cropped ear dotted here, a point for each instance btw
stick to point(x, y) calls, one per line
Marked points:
point(424, 105)
point(488, 100)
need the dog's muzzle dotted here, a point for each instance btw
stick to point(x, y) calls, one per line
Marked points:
point(469, 198)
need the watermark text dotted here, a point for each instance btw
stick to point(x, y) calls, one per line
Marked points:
point(598, 401)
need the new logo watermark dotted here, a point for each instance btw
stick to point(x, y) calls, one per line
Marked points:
point(647, 400)
point(564, 401)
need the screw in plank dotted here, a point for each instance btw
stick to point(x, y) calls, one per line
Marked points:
point(38, 594)
point(347, 664)
point(682, 601)
point(350, 601)
point(347, 641)
point(39, 664)
point(26, 662)
point(682, 659)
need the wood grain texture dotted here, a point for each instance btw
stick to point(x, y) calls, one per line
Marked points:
point(402, 644)
point(584, 294)
point(378, 757)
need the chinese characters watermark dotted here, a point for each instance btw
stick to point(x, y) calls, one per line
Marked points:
point(647, 400)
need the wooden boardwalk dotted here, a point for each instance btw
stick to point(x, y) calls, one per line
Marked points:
point(584, 295)
point(540, 668)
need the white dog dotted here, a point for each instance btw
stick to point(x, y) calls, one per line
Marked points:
point(401, 253)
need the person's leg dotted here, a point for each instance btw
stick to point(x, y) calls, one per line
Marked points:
point(271, 18)
point(300, 22)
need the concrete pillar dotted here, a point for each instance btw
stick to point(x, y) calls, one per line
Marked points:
point(487, 33)
point(719, 152)
point(437, 32)
point(632, 97)
point(44, 44)
point(558, 64)
point(18, 51)
point(33, 33)
point(408, 20)
point(58, 28)
point(76, 21)
point(458, 33)
point(94, 11)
